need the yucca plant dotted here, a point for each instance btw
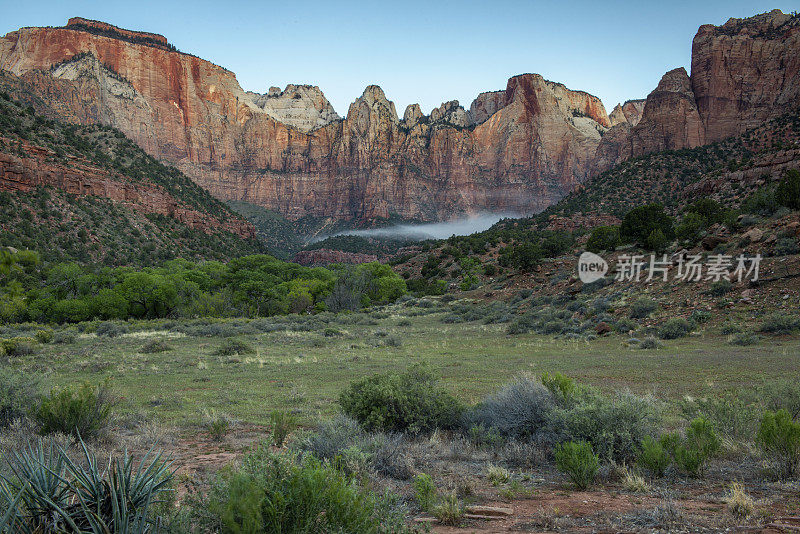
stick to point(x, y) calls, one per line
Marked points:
point(49, 492)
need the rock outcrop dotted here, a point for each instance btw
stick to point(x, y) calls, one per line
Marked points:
point(630, 112)
point(303, 107)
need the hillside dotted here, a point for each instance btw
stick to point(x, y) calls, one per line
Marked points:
point(90, 194)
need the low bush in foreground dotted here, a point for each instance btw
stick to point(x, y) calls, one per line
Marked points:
point(653, 456)
point(289, 493)
point(700, 444)
point(19, 392)
point(578, 462)
point(82, 411)
point(675, 328)
point(779, 438)
point(408, 402)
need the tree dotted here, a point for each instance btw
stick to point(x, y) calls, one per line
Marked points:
point(639, 223)
point(788, 191)
point(603, 238)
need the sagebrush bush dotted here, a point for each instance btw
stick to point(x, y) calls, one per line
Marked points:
point(650, 343)
point(699, 445)
point(779, 437)
point(64, 337)
point(745, 339)
point(82, 410)
point(233, 347)
point(290, 494)
point(578, 462)
point(720, 288)
point(44, 335)
point(155, 346)
point(642, 308)
point(783, 394)
point(110, 329)
point(675, 328)
point(521, 409)
point(19, 392)
point(614, 426)
point(408, 402)
point(18, 346)
point(653, 456)
point(779, 323)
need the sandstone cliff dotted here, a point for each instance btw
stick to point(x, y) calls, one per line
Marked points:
point(515, 150)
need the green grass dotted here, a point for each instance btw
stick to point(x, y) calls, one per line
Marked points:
point(303, 372)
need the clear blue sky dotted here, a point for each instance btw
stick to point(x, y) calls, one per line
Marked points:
point(418, 51)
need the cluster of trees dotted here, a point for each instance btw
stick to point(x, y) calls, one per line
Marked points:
point(257, 285)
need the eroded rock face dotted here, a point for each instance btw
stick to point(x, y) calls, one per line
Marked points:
point(745, 72)
point(630, 112)
point(288, 151)
point(303, 107)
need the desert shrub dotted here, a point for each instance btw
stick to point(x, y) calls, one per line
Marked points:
point(700, 444)
point(786, 246)
point(408, 402)
point(744, 339)
point(216, 424)
point(481, 436)
point(449, 511)
point(650, 343)
point(735, 413)
point(653, 456)
point(332, 332)
point(625, 326)
point(231, 347)
point(783, 394)
point(17, 346)
point(642, 308)
point(779, 323)
point(110, 329)
point(779, 438)
point(700, 316)
point(563, 388)
point(50, 491)
point(521, 409)
point(633, 481)
point(497, 474)
point(288, 493)
point(720, 288)
point(155, 346)
point(675, 328)
point(788, 191)
point(740, 504)
point(82, 410)
point(282, 424)
point(64, 337)
point(729, 328)
point(44, 336)
point(639, 223)
point(424, 491)
point(657, 240)
point(18, 393)
point(603, 238)
point(403, 322)
point(614, 426)
point(393, 341)
point(578, 462)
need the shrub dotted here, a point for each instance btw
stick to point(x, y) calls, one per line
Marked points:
point(779, 437)
point(657, 240)
point(603, 238)
point(639, 224)
point(675, 328)
point(44, 336)
point(17, 346)
point(653, 456)
point(788, 190)
point(625, 326)
point(720, 288)
point(155, 346)
point(64, 337)
point(18, 393)
point(578, 462)
point(217, 424)
point(497, 475)
point(50, 491)
point(449, 511)
point(700, 316)
point(83, 411)
point(744, 339)
point(650, 343)
point(232, 347)
point(740, 504)
point(642, 308)
point(615, 427)
point(779, 323)
point(408, 402)
point(783, 394)
point(562, 387)
point(700, 444)
point(288, 493)
point(283, 424)
point(786, 246)
point(633, 481)
point(109, 329)
point(521, 409)
point(424, 491)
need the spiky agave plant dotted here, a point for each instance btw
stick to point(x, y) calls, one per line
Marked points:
point(52, 493)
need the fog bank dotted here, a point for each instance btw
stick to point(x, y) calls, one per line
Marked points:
point(440, 230)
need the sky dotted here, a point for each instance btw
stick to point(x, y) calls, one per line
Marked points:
point(425, 52)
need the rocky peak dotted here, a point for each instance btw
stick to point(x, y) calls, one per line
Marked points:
point(412, 115)
point(109, 30)
point(630, 112)
point(303, 107)
point(485, 105)
point(450, 113)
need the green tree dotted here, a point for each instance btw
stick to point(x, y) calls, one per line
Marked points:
point(788, 191)
point(603, 238)
point(639, 223)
